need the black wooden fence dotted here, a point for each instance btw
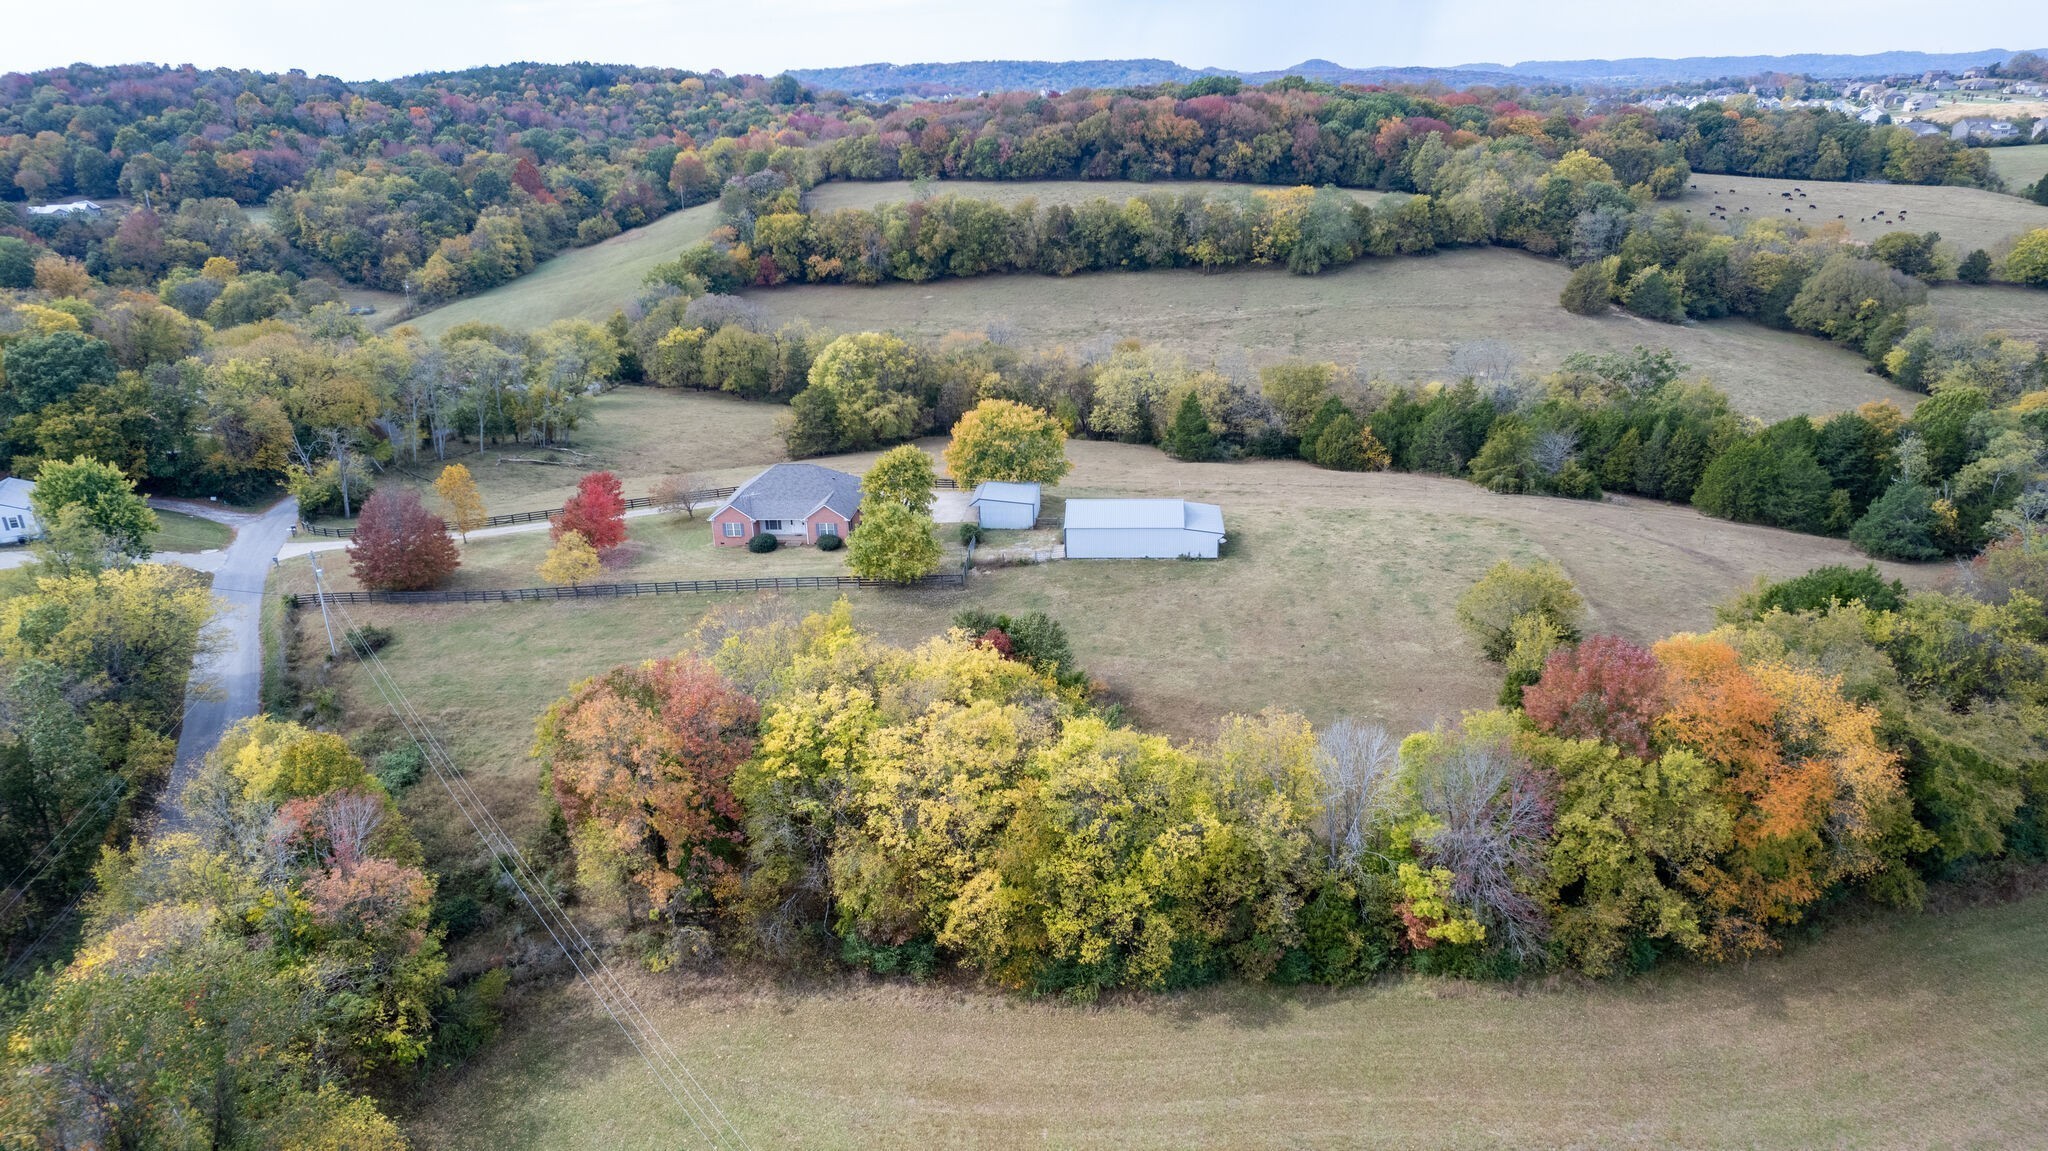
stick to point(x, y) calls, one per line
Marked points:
point(696, 499)
point(619, 590)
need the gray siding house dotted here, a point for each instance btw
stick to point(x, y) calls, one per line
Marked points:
point(1142, 529)
point(17, 518)
point(1005, 505)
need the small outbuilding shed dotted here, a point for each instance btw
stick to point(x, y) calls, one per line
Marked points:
point(1005, 505)
point(1142, 529)
point(17, 516)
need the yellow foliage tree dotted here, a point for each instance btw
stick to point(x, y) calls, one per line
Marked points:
point(466, 508)
point(570, 562)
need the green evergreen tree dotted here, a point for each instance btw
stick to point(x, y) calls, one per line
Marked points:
point(1189, 437)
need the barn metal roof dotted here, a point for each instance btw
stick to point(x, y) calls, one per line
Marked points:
point(997, 491)
point(1133, 514)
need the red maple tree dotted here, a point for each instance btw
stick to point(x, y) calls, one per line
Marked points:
point(1605, 688)
point(399, 545)
point(597, 510)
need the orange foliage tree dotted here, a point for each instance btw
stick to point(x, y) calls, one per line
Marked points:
point(1814, 789)
point(641, 760)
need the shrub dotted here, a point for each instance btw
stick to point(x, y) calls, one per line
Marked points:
point(970, 534)
point(1836, 582)
point(828, 543)
point(369, 638)
point(1589, 291)
point(1976, 267)
point(400, 768)
point(763, 543)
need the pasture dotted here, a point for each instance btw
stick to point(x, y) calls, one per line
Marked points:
point(1396, 319)
point(1966, 217)
point(2019, 165)
point(1335, 598)
point(2023, 312)
point(1902, 1030)
point(581, 283)
point(867, 194)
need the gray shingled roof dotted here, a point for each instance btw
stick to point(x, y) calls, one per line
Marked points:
point(1138, 514)
point(794, 491)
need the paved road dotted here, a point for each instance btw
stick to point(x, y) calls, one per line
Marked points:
point(228, 676)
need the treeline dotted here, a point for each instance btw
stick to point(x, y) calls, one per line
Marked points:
point(452, 183)
point(247, 979)
point(230, 383)
point(1700, 798)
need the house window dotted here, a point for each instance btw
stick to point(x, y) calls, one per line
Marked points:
point(828, 529)
point(13, 521)
point(734, 531)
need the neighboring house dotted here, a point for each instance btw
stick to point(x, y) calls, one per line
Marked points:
point(17, 515)
point(1923, 128)
point(1872, 114)
point(1983, 128)
point(1919, 102)
point(1142, 529)
point(793, 502)
point(1005, 505)
point(86, 207)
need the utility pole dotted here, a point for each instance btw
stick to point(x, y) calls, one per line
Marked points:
point(332, 650)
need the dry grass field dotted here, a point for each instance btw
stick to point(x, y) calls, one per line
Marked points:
point(588, 283)
point(1963, 105)
point(857, 194)
point(2023, 312)
point(1398, 319)
point(1966, 217)
point(2020, 165)
point(1905, 1031)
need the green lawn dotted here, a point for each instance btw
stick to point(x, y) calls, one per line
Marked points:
point(2019, 166)
point(178, 532)
point(1925, 1030)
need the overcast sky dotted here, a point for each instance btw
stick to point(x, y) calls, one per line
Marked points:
point(366, 39)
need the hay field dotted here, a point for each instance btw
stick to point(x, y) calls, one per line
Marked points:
point(1398, 319)
point(867, 194)
point(1901, 1031)
point(588, 283)
point(1994, 308)
point(1966, 217)
point(2019, 165)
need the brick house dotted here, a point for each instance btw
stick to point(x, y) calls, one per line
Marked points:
point(796, 503)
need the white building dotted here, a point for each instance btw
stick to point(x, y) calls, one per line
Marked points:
point(17, 517)
point(1005, 505)
point(1142, 529)
point(81, 207)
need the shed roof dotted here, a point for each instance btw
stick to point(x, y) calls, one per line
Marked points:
point(1000, 492)
point(1129, 514)
point(15, 491)
point(794, 491)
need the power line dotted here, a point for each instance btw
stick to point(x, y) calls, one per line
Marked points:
point(61, 842)
point(667, 1066)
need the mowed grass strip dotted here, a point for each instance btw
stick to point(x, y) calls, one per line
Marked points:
point(1396, 319)
point(587, 283)
point(1900, 1031)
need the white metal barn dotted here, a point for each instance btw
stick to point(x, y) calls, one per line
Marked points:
point(1005, 505)
point(17, 518)
point(1142, 529)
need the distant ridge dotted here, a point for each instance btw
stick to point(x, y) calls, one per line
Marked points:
point(933, 79)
